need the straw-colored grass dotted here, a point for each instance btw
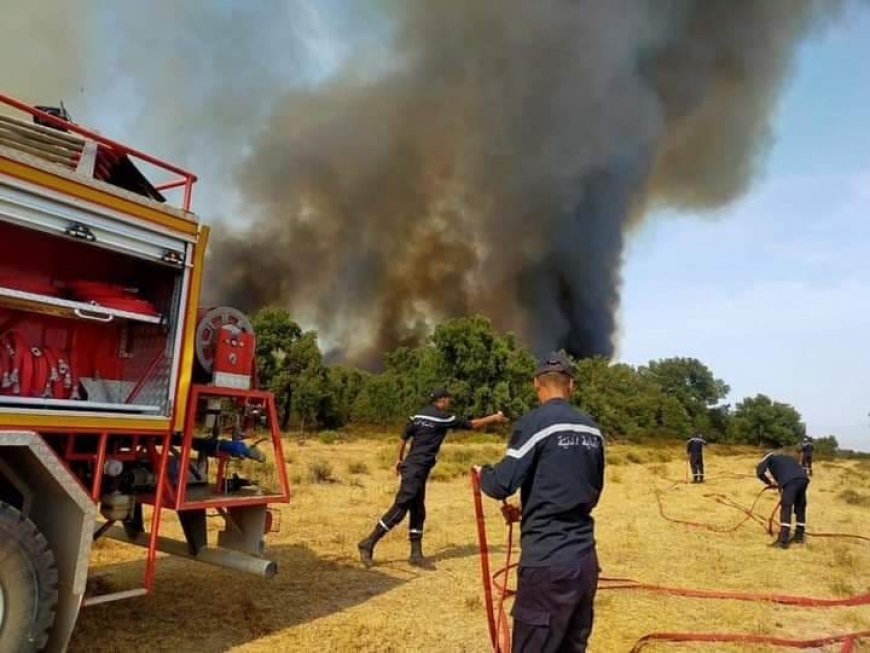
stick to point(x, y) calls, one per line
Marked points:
point(323, 601)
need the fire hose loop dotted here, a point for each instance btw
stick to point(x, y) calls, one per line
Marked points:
point(500, 631)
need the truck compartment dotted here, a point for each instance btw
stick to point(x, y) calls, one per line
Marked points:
point(85, 327)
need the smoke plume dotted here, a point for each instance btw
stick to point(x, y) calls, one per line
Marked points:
point(496, 165)
point(468, 155)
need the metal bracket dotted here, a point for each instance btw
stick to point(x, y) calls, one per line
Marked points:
point(80, 231)
point(173, 258)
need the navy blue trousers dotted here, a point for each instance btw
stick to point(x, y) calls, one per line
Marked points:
point(554, 607)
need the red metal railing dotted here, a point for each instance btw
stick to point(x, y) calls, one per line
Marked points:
point(185, 179)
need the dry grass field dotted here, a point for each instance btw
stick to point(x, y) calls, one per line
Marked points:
point(322, 600)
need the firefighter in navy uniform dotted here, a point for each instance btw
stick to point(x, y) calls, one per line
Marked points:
point(556, 458)
point(426, 430)
point(792, 481)
point(695, 451)
point(807, 456)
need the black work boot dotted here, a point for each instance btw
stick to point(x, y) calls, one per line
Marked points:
point(782, 541)
point(367, 546)
point(417, 559)
point(798, 535)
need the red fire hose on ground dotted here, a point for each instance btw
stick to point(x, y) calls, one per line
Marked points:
point(749, 513)
point(496, 590)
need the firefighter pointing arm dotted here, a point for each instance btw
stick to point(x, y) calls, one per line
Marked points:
point(426, 431)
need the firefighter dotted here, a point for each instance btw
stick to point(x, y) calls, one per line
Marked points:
point(695, 452)
point(556, 458)
point(426, 430)
point(792, 482)
point(807, 456)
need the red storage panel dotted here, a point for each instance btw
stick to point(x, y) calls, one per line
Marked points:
point(233, 358)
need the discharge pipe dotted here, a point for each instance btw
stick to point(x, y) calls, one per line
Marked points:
point(226, 558)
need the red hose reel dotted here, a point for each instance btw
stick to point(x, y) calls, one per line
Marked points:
point(27, 371)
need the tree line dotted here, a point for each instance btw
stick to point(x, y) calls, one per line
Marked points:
point(488, 371)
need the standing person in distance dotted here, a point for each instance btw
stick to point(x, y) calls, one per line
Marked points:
point(556, 459)
point(695, 451)
point(792, 481)
point(426, 430)
point(807, 456)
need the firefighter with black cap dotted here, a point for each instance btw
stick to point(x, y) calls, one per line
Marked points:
point(807, 456)
point(792, 481)
point(695, 451)
point(426, 430)
point(556, 458)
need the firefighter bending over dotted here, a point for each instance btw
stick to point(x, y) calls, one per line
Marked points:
point(426, 430)
point(792, 481)
point(556, 455)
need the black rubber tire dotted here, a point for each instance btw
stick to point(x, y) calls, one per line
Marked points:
point(28, 580)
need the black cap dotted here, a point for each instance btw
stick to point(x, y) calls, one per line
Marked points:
point(555, 362)
point(439, 393)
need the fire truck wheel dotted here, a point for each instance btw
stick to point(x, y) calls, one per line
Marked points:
point(28, 583)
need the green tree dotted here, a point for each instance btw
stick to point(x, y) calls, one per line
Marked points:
point(284, 354)
point(485, 371)
point(761, 421)
point(345, 385)
point(826, 447)
point(691, 383)
point(616, 396)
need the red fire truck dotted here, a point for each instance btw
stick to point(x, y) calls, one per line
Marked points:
point(119, 396)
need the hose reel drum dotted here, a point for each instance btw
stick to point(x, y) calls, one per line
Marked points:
point(210, 322)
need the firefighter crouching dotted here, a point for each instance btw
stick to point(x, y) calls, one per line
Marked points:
point(426, 430)
point(556, 457)
point(792, 482)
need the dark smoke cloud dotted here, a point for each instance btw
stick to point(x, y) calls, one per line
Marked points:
point(497, 165)
point(470, 155)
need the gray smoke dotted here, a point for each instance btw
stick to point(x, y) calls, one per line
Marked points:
point(497, 164)
point(469, 155)
point(44, 50)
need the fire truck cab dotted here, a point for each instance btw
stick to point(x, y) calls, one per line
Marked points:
point(119, 396)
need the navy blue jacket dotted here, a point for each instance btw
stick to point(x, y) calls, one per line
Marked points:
point(428, 428)
point(807, 450)
point(556, 455)
point(782, 467)
point(695, 447)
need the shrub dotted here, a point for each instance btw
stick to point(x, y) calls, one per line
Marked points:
point(634, 457)
point(448, 471)
point(329, 437)
point(320, 471)
point(855, 498)
point(386, 457)
point(614, 459)
point(357, 467)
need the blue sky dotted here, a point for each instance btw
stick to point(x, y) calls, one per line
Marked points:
point(773, 292)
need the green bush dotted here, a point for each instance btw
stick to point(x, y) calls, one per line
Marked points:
point(330, 437)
